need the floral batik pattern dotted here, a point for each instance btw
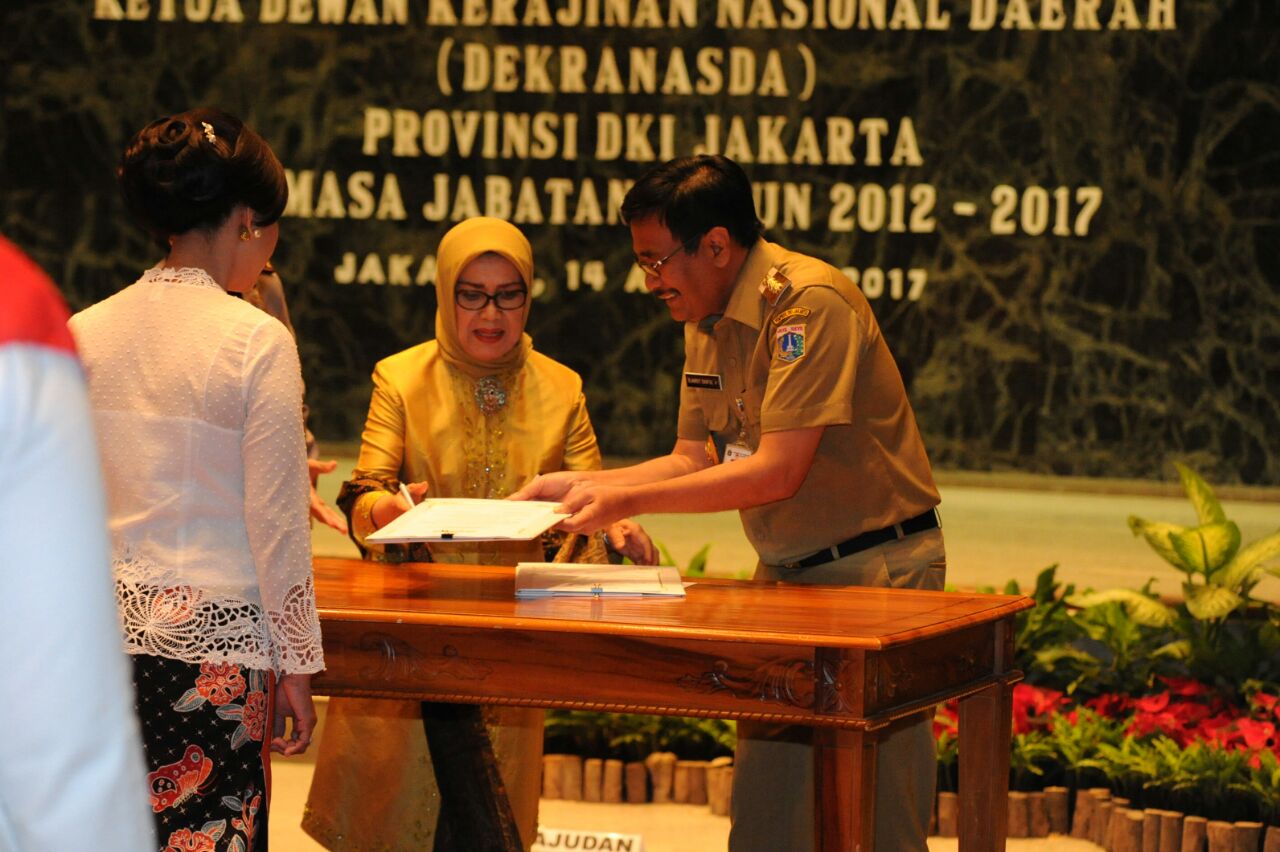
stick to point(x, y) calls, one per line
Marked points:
point(220, 684)
point(204, 727)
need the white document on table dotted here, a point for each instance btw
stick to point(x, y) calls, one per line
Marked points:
point(464, 519)
point(569, 579)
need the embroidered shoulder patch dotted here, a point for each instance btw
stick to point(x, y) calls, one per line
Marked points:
point(791, 313)
point(789, 344)
point(774, 285)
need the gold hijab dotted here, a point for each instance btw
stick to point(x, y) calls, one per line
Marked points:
point(462, 244)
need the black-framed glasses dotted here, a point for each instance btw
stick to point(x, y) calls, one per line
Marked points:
point(655, 268)
point(478, 300)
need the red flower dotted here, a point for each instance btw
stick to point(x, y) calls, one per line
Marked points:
point(186, 840)
point(1256, 736)
point(220, 683)
point(1110, 706)
point(1268, 704)
point(946, 720)
point(1186, 687)
point(1032, 707)
point(1178, 714)
point(1189, 713)
point(1146, 724)
point(1214, 729)
point(1152, 703)
point(255, 715)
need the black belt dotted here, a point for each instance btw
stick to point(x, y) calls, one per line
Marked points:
point(924, 521)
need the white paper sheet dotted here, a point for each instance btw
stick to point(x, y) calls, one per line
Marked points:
point(550, 579)
point(463, 519)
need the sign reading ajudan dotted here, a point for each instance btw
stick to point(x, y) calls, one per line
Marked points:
point(554, 839)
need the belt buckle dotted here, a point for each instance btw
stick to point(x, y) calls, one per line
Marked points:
point(791, 566)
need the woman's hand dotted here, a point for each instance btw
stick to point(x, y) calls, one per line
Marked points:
point(391, 506)
point(320, 510)
point(293, 701)
point(629, 539)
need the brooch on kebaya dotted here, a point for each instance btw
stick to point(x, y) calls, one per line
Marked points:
point(491, 396)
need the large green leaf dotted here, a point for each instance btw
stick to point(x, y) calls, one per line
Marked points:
point(1242, 570)
point(1157, 535)
point(1206, 548)
point(1177, 650)
point(667, 558)
point(1146, 611)
point(1049, 656)
point(1209, 603)
point(1208, 509)
point(698, 563)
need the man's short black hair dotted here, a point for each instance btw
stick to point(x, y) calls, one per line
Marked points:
point(692, 195)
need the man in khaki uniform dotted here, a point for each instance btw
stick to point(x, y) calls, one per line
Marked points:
point(792, 410)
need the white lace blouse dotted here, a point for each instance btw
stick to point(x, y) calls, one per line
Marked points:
point(197, 402)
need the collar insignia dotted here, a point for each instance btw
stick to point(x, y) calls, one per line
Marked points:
point(774, 285)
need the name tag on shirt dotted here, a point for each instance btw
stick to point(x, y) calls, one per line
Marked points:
point(735, 451)
point(706, 381)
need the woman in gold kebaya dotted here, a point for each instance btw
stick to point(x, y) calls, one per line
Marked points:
point(474, 413)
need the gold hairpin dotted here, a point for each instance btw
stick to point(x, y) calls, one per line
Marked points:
point(208, 132)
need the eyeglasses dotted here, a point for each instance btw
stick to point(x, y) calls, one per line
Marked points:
point(655, 268)
point(478, 300)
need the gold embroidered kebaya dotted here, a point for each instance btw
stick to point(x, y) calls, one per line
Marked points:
point(484, 444)
point(467, 428)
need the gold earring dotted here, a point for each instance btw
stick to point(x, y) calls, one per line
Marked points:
point(246, 234)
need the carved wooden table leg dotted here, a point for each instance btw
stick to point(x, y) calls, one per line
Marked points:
point(844, 790)
point(475, 814)
point(986, 731)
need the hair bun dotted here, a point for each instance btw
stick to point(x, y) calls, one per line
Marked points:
point(190, 170)
point(182, 157)
point(174, 133)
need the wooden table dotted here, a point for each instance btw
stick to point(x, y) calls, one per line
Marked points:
point(847, 661)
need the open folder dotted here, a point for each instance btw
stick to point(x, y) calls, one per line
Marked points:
point(553, 579)
point(464, 519)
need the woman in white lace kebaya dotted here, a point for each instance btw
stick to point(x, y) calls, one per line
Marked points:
point(196, 400)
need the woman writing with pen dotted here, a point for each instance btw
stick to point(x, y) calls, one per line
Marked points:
point(477, 412)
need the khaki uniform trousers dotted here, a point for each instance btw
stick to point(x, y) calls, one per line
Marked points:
point(773, 784)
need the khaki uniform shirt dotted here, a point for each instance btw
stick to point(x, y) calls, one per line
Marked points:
point(807, 352)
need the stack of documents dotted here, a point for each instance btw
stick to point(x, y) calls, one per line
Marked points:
point(551, 579)
point(462, 519)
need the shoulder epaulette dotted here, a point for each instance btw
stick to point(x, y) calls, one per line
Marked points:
point(774, 285)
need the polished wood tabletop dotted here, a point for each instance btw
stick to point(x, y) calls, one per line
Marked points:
point(852, 663)
point(732, 610)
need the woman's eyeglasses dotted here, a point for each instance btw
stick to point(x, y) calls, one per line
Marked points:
point(478, 300)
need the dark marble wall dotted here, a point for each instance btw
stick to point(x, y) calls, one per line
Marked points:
point(1149, 333)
